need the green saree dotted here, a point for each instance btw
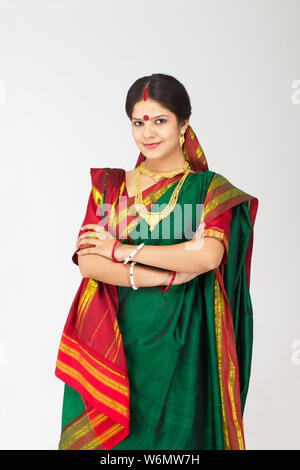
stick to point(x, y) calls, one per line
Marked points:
point(188, 350)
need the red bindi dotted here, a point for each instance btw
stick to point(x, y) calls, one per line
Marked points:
point(146, 117)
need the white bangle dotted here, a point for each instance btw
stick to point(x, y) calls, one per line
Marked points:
point(133, 253)
point(131, 275)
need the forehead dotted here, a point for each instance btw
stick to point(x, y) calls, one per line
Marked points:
point(149, 107)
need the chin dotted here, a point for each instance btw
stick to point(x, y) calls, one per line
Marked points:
point(154, 157)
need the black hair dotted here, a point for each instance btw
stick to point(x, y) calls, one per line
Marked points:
point(164, 89)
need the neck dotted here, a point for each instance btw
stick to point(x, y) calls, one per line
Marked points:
point(165, 164)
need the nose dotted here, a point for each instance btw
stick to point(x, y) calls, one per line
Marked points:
point(148, 131)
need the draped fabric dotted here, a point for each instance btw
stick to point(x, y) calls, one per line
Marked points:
point(145, 369)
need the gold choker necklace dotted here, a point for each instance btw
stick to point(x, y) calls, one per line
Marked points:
point(153, 218)
point(161, 174)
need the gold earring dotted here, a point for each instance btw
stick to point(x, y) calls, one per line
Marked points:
point(181, 138)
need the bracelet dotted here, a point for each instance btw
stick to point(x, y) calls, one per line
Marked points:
point(170, 283)
point(133, 253)
point(131, 275)
point(113, 249)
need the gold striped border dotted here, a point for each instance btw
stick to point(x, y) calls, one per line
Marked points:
point(85, 301)
point(100, 397)
point(118, 335)
point(96, 330)
point(235, 419)
point(115, 341)
point(98, 197)
point(215, 232)
point(231, 193)
point(85, 425)
point(219, 308)
point(112, 215)
point(216, 196)
point(74, 432)
point(199, 150)
point(192, 133)
point(79, 429)
point(216, 182)
point(102, 438)
point(111, 371)
point(220, 311)
point(100, 376)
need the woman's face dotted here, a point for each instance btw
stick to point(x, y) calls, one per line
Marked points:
point(160, 127)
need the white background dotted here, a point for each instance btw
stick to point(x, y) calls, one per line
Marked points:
point(65, 69)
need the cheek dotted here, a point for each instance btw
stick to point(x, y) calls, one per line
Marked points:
point(169, 136)
point(164, 133)
point(135, 134)
point(168, 132)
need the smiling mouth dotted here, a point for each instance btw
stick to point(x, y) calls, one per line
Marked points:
point(154, 144)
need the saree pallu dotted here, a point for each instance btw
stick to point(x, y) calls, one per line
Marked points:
point(150, 370)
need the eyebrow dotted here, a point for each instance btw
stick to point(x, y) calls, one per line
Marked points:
point(161, 115)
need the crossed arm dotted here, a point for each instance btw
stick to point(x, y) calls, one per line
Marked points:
point(155, 263)
point(192, 256)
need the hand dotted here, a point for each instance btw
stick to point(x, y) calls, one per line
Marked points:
point(96, 241)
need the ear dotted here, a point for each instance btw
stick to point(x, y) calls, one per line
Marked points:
point(184, 125)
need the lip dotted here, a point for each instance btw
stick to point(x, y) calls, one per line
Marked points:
point(152, 146)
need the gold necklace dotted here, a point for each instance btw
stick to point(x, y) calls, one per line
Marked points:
point(153, 218)
point(156, 176)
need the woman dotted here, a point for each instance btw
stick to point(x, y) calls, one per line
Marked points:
point(156, 350)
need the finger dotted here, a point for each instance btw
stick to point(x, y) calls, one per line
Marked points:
point(88, 240)
point(100, 228)
point(100, 236)
point(89, 234)
point(87, 226)
point(85, 243)
point(86, 251)
point(85, 247)
point(91, 226)
point(105, 236)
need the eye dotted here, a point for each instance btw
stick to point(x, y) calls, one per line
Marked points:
point(138, 123)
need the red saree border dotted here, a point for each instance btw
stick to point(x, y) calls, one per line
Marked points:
point(104, 388)
point(101, 387)
point(233, 427)
point(221, 196)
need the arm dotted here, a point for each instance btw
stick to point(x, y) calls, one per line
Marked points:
point(106, 270)
point(192, 256)
point(103, 269)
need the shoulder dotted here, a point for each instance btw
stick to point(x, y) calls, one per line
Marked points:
point(130, 173)
point(106, 170)
point(222, 189)
point(109, 175)
point(220, 181)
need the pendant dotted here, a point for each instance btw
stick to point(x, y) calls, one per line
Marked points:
point(154, 220)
